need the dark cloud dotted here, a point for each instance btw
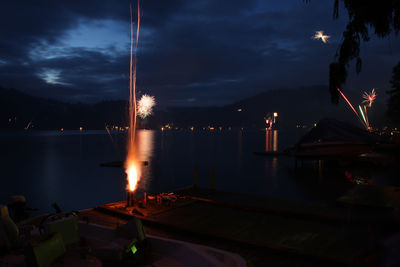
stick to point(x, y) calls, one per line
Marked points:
point(190, 52)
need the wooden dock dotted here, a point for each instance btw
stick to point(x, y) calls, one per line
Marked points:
point(262, 230)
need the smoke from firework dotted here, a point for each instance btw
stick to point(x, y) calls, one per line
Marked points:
point(145, 105)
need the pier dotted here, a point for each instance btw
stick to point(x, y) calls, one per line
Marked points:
point(262, 230)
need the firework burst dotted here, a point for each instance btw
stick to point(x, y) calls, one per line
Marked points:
point(363, 120)
point(145, 105)
point(320, 35)
point(369, 98)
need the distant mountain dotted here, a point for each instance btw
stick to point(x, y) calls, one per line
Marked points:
point(303, 106)
point(19, 110)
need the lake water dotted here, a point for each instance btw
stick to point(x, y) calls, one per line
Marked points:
point(63, 167)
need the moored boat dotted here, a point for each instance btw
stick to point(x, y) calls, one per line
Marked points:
point(333, 138)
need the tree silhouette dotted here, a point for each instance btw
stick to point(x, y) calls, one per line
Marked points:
point(383, 17)
point(393, 111)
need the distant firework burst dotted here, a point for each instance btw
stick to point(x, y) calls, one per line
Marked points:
point(320, 35)
point(145, 105)
point(354, 110)
point(369, 98)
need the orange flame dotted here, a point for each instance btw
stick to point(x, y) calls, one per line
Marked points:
point(131, 168)
point(132, 174)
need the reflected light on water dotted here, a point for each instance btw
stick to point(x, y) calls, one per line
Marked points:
point(145, 143)
point(274, 171)
point(271, 144)
point(275, 142)
point(271, 140)
point(145, 150)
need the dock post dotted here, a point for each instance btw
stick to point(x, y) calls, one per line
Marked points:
point(128, 198)
point(132, 203)
point(320, 174)
point(212, 181)
point(195, 177)
point(159, 200)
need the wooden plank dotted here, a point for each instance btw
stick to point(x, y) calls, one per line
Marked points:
point(294, 236)
point(255, 255)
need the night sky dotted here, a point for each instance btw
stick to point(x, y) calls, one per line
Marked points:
point(191, 53)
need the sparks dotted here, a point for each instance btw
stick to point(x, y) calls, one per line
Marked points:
point(145, 105)
point(369, 98)
point(133, 175)
point(352, 107)
point(348, 102)
point(366, 116)
point(363, 116)
point(320, 35)
point(131, 169)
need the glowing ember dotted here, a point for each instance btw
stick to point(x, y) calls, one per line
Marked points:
point(133, 176)
point(320, 35)
point(145, 106)
point(369, 98)
point(130, 163)
point(366, 116)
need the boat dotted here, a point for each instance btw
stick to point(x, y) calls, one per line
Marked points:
point(332, 149)
point(331, 138)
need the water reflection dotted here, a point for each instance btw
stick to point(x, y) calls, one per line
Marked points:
point(53, 172)
point(145, 144)
point(271, 140)
point(357, 179)
point(274, 171)
point(145, 150)
point(271, 171)
point(49, 182)
point(271, 144)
